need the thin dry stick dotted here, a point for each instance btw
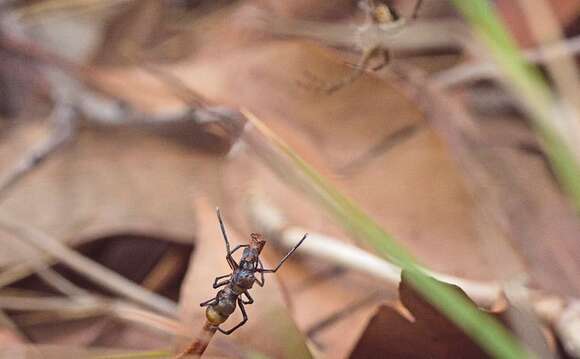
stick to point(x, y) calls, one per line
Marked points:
point(43, 270)
point(91, 269)
point(62, 118)
point(476, 71)
point(7, 323)
point(91, 305)
point(563, 70)
point(68, 8)
point(270, 221)
point(546, 28)
point(198, 346)
point(17, 271)
point(551, 309)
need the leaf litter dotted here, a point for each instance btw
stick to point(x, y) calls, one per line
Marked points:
point(111, 179)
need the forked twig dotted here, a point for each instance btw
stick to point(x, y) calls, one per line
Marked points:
point(63, 129)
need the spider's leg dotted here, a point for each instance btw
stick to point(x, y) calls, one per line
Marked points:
point(283, 259)
point(221, 277)
point(386, 54)
point(208, 302)
point(216, 283)
point(244, 315)
point(260, 281)
point(250, 299)
point(359, 69)
point(416, 9)
point(231, 261)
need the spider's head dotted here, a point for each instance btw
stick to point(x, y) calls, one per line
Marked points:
point(257, 242)
point(383, 14)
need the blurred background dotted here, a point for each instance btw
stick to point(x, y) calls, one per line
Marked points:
point(436, 135)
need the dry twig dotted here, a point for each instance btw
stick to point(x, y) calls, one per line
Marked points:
point(269, 219)
point(87, 267)
point(62, 119)
point(480, 70)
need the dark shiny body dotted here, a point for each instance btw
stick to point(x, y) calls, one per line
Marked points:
point(240, 281)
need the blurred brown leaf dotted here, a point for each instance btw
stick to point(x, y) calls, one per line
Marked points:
point(122, 179)
point(413, 189)
point(109, 180)
point(567, 11)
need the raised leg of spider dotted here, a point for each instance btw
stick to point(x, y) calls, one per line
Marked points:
point(416, 9)
point(386, 55)
point(244, 320)
point(231, 261)
point(359, 69)
point(283, 259)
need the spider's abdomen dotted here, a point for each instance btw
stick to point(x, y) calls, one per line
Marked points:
point(214, 317)
point(226, 304)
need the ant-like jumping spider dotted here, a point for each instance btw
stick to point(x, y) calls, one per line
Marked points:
point(382, 20)
point(240, 281)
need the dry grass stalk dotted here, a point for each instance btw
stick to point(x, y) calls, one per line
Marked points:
point(198, 346)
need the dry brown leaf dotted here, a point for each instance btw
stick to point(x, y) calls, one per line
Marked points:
point(566, 11)
point(130, 30)
point(417, 331)
point(413, 190)
point(107, 181)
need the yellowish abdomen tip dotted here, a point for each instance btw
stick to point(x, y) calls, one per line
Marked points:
point(213, 316)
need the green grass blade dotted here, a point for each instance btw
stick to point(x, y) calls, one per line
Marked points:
point(484, 329)
point(529, 86)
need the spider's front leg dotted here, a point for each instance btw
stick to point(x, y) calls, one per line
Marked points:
point(231, 261)
point(273, 270)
